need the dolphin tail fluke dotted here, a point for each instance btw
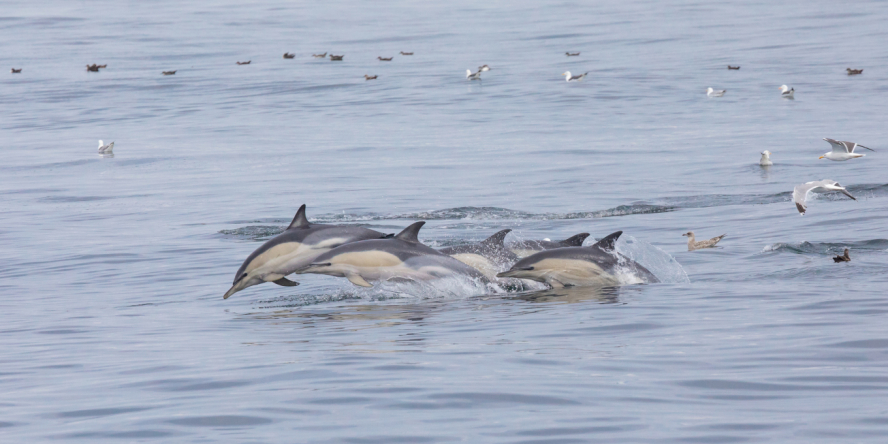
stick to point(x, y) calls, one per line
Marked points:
point(411, 233)
point(358, 280)
point(575, 240)
point(284, 282)
point(299, 221)
point(498, 238)
point(607, 243)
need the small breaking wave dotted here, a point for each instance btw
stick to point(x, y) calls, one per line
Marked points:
point(657, 261)
point(826, 248)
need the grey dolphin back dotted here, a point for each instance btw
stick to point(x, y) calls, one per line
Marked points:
point(575, 240)
point(497, 240)
point(299, 221)
point(411, 233)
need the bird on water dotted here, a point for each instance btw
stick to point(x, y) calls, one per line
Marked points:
point(693, 244)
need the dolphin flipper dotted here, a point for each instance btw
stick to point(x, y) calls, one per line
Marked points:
point(358, 280)
point(284, 282)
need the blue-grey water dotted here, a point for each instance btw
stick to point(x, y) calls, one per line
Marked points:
point(112, 270)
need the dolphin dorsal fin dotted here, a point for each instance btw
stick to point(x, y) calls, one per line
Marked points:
point(411, 233)
point(607, 243)
point(497, 239)
point(575, 240)
point(299, 221)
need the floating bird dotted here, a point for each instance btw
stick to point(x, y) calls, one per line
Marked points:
point(694, 245)
point(483, 68)
point(843, 258)
point(92, 68)
point(800, 192)
point(842, 150)
point(787, 92)
point(852, 72)
point(766, 159)
point(573, 78)
point(106, 149)
point(320, 56)
point(169, 73)
point(366, 77)
point(734, 67)
point(715, 92)
point(473, 75)
point(406, 53)
point(244, 63)
point(287, 55)
point(336, 57)
point(571, 54)
point(385, 59)
point(16, 71)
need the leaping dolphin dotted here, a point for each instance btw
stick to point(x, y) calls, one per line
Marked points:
point(293, 249)
point(528, 247)
point(595, 265)
point(489, 256)
point(402, 257)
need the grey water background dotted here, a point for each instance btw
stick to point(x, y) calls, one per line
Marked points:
point(112, 324)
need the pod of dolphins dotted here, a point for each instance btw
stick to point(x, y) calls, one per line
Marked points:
point(364, 256)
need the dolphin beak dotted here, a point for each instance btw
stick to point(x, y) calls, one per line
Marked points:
point(234, 289)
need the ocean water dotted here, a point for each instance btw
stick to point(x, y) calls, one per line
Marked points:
point(112, 270)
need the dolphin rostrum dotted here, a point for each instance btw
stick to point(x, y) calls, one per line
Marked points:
point(528, 247)
point(293, 249)
point(596, 264)
point(489, 256)
point(402, 257)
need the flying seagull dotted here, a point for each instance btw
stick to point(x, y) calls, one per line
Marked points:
point(800, 192)
point(842, 150)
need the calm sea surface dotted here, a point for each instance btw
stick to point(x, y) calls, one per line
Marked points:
point(112, 270)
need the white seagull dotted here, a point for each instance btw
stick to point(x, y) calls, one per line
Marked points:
point(787, 92)
point(106, 149)
point(766, 159)
point(473, 76)
point(715, 93)
point(842, 150)
point(483, 68)
point(572, 78)
point(800, 192)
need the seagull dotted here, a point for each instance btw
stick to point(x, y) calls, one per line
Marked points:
point(366, 77)
point(800, 192)
point(843, 258)
point(168, 73)
point(766, 159)
point(694, 245)
point(406, 53)
point(320, 56)
point(287, 55)
point(852, 72)
point(244, 63)
point(16, 71)
point(734, 67)
point(715, 92)
point(106, 149)
point(842, 150)
point(385, 59)
point(483, 68)
point(571, 54)
point(787, 92)
point(336, 57)
point(572, 78)
point(473, 76)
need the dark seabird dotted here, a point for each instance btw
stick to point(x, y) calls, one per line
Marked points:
point(244, 63)
point(385, 59)
point(366, 77)
point(406, 53)
point(16, 71)
point(92, 68)
point(169, 73)
point(336, 57)
point(734, 67)
point(571, 54)
point(843, 258)
point(852, 72)
point(287, 55)
point(320, 56)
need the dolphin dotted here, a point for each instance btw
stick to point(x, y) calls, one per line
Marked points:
point(489, 256)
point(595, 265)
point(293, 249)
point(402, 257)
point(528, 247)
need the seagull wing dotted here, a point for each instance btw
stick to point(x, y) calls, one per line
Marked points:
point(837, 147)
point(800, 194)
point(845, 192)
point(860, 146)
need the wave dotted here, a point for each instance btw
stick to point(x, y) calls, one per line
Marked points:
point(826, 248)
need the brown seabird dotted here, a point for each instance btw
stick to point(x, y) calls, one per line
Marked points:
point(336, 57)
point(693, 244)
point(366, 77)
point(320, 56)
point(385, 59)
point(406, 53)
point(92, 68)
point(852, 72)
point(571, 54)
point(244, 63)
point(168, 73)
point(734, 67)
point(287, 55)
point(16, 71)
point(843, 258)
